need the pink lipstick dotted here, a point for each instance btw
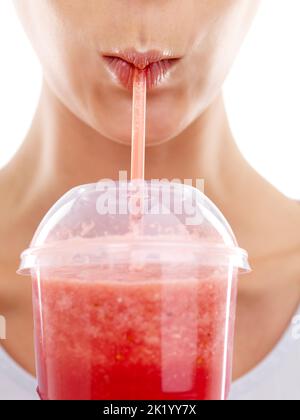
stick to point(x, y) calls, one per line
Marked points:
point(155, 64)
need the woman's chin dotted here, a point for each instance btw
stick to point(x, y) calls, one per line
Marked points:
point(154, 136)
point(161, 134)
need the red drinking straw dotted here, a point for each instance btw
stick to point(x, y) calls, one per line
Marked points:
point(138, 125)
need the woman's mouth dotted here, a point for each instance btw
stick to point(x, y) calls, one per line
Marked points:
point(157, 67)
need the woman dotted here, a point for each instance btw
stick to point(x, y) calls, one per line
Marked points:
point(81, 133)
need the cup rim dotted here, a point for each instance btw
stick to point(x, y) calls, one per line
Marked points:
point(39, 256)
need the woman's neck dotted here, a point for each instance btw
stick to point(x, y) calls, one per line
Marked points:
point(61, 152)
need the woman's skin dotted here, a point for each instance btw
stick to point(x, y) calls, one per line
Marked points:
point(81, 133)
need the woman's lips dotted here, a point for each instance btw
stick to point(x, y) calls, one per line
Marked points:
point(156, 66)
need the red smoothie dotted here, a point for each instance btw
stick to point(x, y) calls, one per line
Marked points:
point(130, 335)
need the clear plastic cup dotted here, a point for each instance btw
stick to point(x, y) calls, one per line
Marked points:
point(134, 294)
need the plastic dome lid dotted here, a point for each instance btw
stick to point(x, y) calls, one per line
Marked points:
point(92, 220)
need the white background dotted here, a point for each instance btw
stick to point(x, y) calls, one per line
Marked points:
point(262, 92)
